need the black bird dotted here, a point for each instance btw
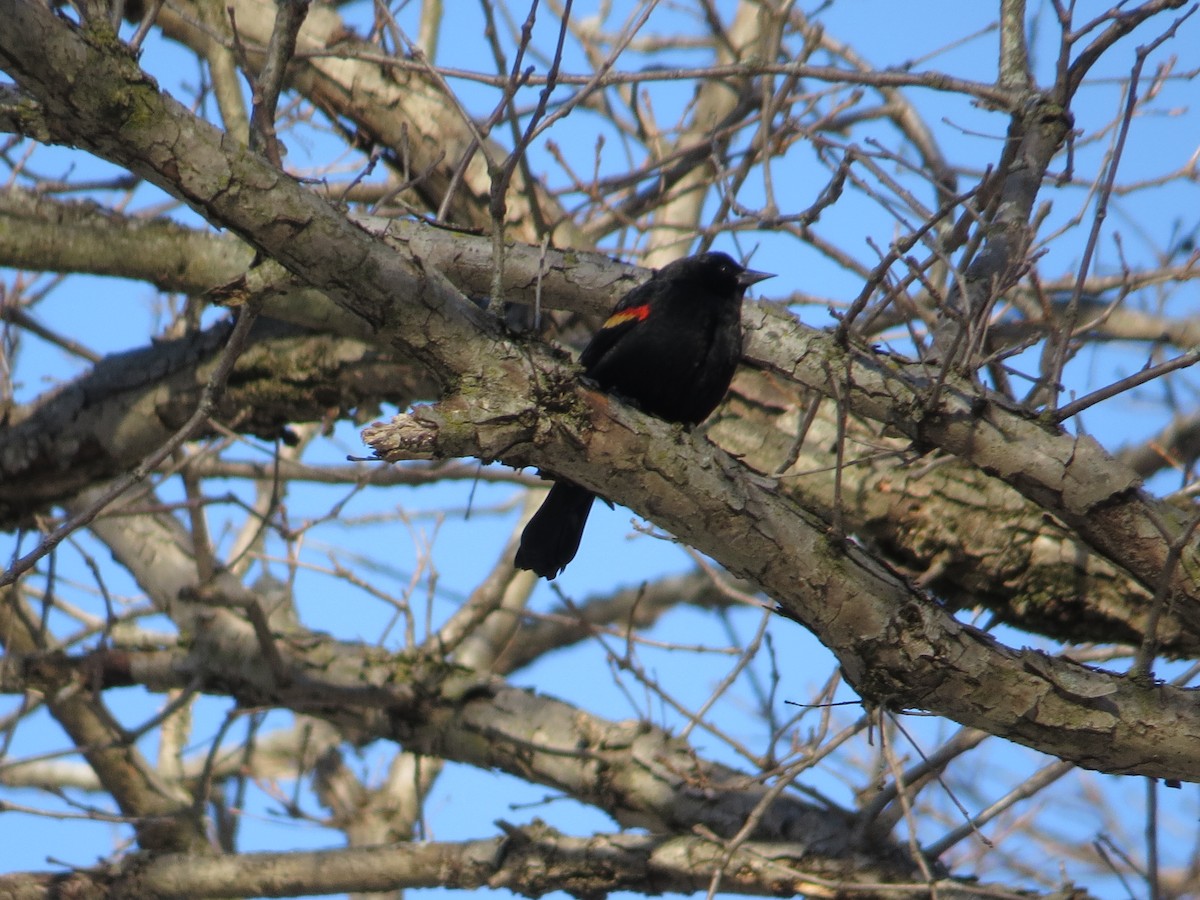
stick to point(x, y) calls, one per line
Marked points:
point(670, 346)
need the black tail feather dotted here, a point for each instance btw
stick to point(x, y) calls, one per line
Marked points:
point(551, 539)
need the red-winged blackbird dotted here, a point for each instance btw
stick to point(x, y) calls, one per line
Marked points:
point(670, 346)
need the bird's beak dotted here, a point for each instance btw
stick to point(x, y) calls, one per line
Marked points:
point(749, 277)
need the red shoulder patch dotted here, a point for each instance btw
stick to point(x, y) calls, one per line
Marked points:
point(632, 314)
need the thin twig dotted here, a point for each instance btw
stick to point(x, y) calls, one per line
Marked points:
point(289, 18)
point(1075, 407)
point(1105, 194)
point(143, 29)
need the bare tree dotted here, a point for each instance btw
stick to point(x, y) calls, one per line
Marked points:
point(336, 217)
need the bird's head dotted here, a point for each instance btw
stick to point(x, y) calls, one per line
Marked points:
point(715, 270)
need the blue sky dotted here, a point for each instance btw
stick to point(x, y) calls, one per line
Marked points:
point(111, 315)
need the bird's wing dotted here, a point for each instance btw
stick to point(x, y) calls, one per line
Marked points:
point(634, 307)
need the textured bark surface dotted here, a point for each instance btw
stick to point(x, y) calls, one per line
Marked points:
point(877, 501)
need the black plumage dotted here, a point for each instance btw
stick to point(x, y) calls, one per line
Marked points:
point(670, 346)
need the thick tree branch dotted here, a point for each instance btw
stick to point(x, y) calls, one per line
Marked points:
point(636, 773)
point(160, 812)
point(1070, 478)
point(130, 403)
point(527, 861)
point(1027, 578)
point(41, 233)
point(896, 647)
point(399, 109)
point(1078, 484)
point(973, 541)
